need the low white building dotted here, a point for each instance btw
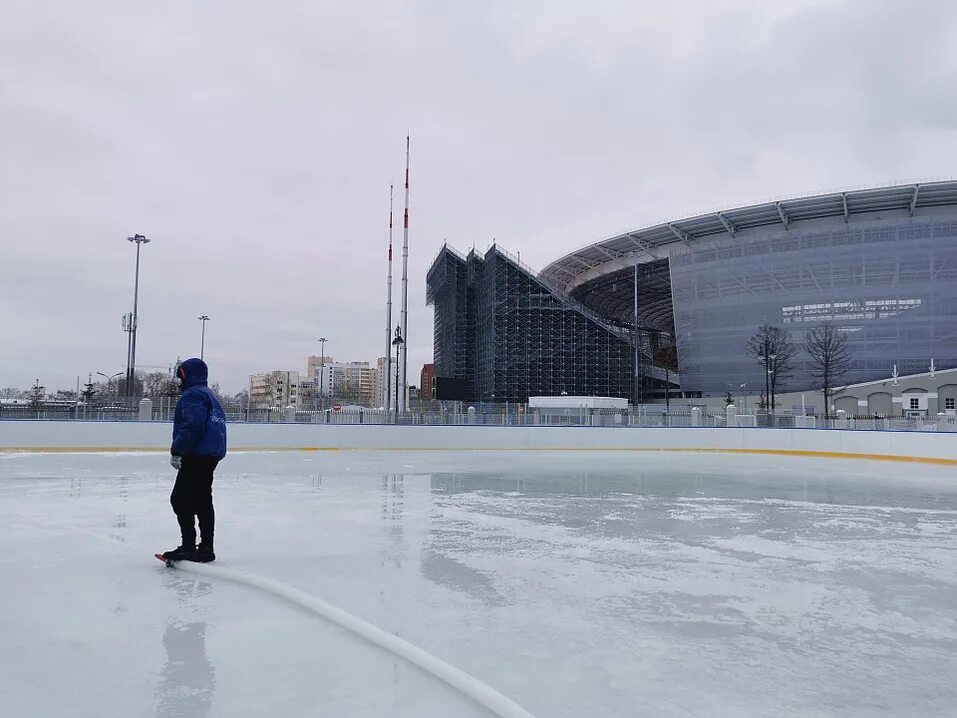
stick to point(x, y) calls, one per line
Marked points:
point(921, 395)
point(579, 410)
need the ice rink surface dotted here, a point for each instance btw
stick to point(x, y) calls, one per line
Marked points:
point(578, 584)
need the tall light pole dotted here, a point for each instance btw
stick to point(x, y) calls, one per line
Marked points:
point(637, 387)
point(387, 395)
point(771, 358)
point(397, 343)
point(202, 344)
point(137, 239)
point(405, 285)
point(322, 364)
point(768, 357)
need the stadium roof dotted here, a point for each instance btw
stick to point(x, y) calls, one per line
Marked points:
point(590, 262)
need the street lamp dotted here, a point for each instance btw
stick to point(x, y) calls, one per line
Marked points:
point(202, 345)
point(771, 358)
point(137, 239)
point(322, 363)
point(397, 343)
point(768, 357)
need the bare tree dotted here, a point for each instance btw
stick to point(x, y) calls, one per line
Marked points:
point(348, 391)
point(830, 358)
point(11, 392)
point(154, 383)
point(170, 387)
point(667, 358)
point(775, 350)
point(106, 388)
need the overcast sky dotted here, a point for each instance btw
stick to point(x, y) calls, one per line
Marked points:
point(254, 142)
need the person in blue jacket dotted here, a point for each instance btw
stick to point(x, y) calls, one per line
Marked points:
point(199, 444)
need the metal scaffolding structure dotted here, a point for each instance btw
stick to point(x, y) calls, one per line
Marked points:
point(503, 334)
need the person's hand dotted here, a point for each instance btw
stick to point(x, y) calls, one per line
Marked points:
point(176, 462)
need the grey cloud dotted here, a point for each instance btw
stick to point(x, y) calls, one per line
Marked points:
point(255, 143)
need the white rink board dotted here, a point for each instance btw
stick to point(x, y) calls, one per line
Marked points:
point(155, 436)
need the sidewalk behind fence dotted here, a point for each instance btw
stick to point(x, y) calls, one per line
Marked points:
point(481, 414)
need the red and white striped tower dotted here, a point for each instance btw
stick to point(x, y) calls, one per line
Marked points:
point(387, 382)
point(403, 363)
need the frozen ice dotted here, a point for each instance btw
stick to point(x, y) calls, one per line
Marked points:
point(577, 584)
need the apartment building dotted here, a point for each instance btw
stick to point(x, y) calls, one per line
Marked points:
point(274, 389)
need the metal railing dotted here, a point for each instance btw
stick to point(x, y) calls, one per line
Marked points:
point(482, 414)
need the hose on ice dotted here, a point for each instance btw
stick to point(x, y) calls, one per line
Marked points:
point(469, 686)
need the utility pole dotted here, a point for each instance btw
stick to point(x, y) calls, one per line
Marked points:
point(397, 343)
point(387, 394)
point(405, 285)
point(202, 345)
point(137, 239)
point(637, 341)
point(322, 364)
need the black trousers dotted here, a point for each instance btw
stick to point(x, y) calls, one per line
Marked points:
point(192, 499)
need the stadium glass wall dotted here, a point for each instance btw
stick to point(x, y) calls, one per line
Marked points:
point(890, 284)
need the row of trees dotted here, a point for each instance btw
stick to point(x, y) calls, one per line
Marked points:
point(149, 384)
point(776, 351)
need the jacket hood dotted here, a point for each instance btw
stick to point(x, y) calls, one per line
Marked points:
point(193, 372)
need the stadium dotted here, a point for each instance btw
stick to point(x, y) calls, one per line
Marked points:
point(672, 306)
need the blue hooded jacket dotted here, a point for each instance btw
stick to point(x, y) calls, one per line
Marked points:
point(199, 425)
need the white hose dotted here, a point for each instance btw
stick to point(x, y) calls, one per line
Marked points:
point(469, 686)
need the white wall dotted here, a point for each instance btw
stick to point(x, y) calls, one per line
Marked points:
point(155, 436)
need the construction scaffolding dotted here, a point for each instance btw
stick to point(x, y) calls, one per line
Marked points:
point(505, 335)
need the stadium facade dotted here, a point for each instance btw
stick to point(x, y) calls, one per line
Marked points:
point(880, 263)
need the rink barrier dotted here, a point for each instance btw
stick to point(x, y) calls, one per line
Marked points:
point(467, 685)
point(901, 446)
point(281, 449)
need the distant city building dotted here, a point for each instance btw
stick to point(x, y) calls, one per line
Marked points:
point(382, 383)
point(313, 363)
point(426, 383)
point(352, 382)
point(274, 389)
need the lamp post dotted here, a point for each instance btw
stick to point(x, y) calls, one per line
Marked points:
point(768, 358)
point(638, 394)
point(202, 345)
point(322, 363)
point(137, 239)
point(771, 358)
point(397, 343)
